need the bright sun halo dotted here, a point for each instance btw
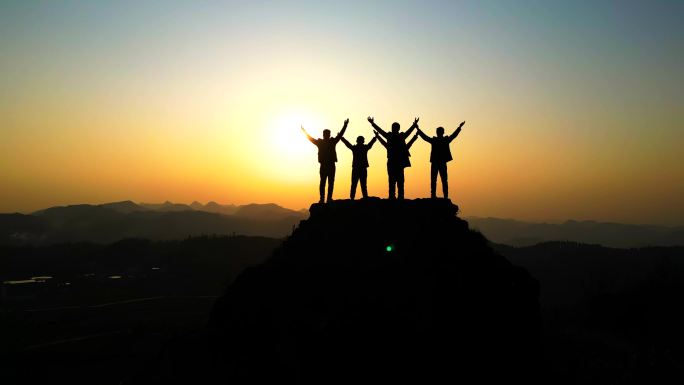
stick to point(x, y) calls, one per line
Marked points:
point(292, 156)
point(287, 140)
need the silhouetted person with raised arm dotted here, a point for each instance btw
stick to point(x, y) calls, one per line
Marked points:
point(439, 157)
point(327, 156)
point(397, 155)
point(359, 164)
point(384, 144)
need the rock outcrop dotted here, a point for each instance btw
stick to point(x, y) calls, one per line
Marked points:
point(378, 291)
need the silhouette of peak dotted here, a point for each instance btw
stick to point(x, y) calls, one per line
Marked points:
point(265, 210)
point(128, 203)
point(76, 209)
point(196, 205)
point(380, 291)
point(127, 206)
point(214, 207)
point(167, 206)
point(262, 206)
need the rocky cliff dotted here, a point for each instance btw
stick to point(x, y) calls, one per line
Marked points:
point(380, 291)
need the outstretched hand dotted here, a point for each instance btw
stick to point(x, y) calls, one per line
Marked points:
point(371, 119)
point(461, 125)
point(415, 122)
point(346, 122)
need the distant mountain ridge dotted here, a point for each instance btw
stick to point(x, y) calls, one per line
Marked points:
point(517, 233)
point(166, 206)
point(251, 210)
point(113, 221)
point(109, 222)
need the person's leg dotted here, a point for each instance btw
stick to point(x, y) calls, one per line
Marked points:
point(331, 182)
point(364, 178)
point(355, 180)
point(321, 185)
point(433, 180)
point(392, 180)
point(400, 182)
point(445, 179)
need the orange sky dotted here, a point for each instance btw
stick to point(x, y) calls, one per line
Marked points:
point(584, 121)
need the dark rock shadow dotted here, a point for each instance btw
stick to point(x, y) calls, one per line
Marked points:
point(379, 291)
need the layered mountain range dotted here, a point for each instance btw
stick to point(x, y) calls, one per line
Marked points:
point(110, 222)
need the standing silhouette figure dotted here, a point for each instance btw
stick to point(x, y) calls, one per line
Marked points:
point(439, 157)
point(384, 144)
point(397, 155)
point(359, 164)
point(327, 156)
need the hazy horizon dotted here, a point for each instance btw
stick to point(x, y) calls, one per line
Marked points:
point(541, 221)
point(573, 110)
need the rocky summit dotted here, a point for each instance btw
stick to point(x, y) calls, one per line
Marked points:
point(379, 291)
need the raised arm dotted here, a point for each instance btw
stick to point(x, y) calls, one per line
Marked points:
point(346, 143)
point(376, 127)
point(372, 142)
point(423, 136)
point(413, 127)
point(458, 131)
point(311, 139)
point(341, 133)
point(410, 143)
point(381, 140)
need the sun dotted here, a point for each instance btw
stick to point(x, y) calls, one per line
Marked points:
point(287, 138)
point(289, 151)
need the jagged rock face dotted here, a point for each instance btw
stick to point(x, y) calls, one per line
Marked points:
point(380, 291)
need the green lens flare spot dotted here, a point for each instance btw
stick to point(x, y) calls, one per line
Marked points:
point(389, 248)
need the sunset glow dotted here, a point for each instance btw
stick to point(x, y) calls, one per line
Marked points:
point(578, 118)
